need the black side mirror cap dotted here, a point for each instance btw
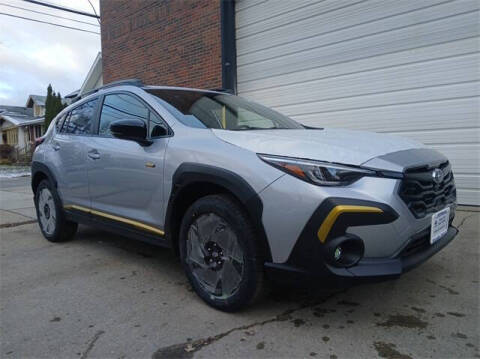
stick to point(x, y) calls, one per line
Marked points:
point(130, 129)
point(159, 131)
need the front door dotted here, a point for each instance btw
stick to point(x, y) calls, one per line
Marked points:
point(126, 178)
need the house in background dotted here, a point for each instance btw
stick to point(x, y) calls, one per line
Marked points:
point(21, 126)
point(71, 96)
point(37, 103)
point(93, 80)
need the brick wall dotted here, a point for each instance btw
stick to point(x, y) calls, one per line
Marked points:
point(166, 42)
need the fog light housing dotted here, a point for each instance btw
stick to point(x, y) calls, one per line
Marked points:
point(344, 251)
point(338, 253)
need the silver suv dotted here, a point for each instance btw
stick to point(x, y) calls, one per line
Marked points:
point(240, 192)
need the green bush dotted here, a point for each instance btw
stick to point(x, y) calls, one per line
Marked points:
point(5, 151)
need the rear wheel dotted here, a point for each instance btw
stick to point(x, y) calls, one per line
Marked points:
point(220, 254)
point(51, 216)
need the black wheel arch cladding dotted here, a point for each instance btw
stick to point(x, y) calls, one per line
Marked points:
point(40, 171)
point(188, 174)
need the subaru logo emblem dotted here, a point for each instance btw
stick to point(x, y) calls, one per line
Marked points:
point(437, 175)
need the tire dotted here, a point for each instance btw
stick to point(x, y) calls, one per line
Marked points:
point(50, 214)
point(216, 229)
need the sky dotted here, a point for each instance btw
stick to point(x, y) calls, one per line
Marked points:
point(33, 55)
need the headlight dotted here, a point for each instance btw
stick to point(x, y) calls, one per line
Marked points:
point(319, 173)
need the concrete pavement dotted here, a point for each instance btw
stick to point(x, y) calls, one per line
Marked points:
point(16, 202)
point(103, 296)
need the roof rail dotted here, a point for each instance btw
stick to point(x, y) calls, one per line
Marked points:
point(230, 91)
point(130, 82)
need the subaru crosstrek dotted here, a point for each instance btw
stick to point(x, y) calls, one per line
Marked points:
point(241, 192)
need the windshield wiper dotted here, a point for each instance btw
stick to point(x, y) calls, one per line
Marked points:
point(312, 128)
point(246, 128)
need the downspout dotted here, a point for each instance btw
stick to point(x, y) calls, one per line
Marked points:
point(229, 49)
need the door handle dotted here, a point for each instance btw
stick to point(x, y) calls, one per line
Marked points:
point(56, 146)
point(94, 155)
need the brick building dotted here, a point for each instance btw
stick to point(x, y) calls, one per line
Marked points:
point(169, 42)
point(405, 67)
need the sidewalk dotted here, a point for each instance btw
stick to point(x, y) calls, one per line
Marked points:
point(16, 202)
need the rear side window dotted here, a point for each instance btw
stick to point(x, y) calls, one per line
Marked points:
point(80, 120)
point(59, 123)
point(120, 107)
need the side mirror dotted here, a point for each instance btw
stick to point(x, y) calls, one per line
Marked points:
point(159, 131)
point(130, 129)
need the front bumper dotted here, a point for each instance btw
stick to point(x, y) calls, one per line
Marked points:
point(321, 273)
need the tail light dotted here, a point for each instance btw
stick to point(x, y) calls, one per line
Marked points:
point(39, 141)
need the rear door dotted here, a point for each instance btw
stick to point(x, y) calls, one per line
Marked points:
point(69, 155)
point(126, 178)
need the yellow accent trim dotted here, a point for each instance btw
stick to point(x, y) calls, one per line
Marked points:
point(131, 222)
point(328, 223)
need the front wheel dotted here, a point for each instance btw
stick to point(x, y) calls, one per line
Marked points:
point(220, 253)
point(51, 217)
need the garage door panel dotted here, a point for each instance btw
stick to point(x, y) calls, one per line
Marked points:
point(467, 181)
point(329, 31)
point(349, 15)
point(242, 5)
point(399, 98)
point(464, 158)
point(435, 137)
point(409, 68)
point(286, 13)
point(451, 114)
point(333, 52)
point(425, 74)
point(468, 197)
point(267, 16)
point(443, 50)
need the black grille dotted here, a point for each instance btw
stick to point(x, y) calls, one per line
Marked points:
point(422, 195)
point(418, 243)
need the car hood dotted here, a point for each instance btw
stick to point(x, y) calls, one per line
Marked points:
point(330, 145)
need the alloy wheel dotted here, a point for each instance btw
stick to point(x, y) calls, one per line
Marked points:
point(46, 211)
point(214, 255)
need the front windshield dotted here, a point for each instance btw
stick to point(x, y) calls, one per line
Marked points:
point(221, 111)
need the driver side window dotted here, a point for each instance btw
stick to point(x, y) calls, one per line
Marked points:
point(120, 107)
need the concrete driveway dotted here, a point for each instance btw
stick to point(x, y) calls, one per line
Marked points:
point(103, 296)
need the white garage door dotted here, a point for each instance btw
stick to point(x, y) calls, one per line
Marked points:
point(408, 67)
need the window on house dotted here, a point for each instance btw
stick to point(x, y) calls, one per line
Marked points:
point(38, 131)
point(12, 136)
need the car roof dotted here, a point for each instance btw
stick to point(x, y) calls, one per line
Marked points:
point(135, 83)
point(131, 83)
